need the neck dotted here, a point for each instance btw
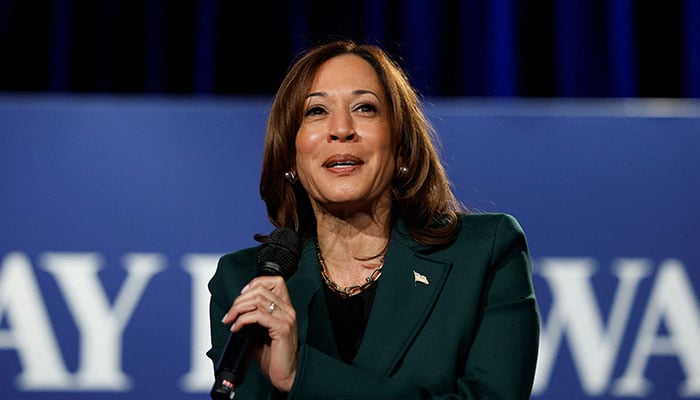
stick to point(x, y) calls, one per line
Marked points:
point(361, 233)
point(352, 245)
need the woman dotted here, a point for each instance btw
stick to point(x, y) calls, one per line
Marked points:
point(400, 294)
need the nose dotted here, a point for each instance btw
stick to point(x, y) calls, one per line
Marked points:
point(341, 128)
point(343, 137)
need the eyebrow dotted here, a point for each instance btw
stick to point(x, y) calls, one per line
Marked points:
point(355, 93)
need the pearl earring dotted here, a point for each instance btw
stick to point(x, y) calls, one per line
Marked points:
point(403, 171)
point(291, 177)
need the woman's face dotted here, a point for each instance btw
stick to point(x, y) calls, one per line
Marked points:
point(344, 155)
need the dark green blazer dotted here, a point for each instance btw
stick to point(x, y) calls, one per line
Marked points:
point(470, 332)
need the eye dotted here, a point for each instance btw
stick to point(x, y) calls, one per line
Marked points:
point(314, 110)
point(366, 108)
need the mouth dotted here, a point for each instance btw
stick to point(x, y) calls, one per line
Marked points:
point(342, 161)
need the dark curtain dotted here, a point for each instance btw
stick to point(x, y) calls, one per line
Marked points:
point(542, 48)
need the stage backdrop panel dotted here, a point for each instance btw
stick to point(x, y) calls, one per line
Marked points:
point(114, 210)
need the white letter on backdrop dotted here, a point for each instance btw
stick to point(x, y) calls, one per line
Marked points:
point(100, 325)
point(575, 312)
point(200, 377)
point(672, 302)
point(30, 331)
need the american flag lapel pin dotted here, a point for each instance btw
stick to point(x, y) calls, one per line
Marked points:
point(420, 278)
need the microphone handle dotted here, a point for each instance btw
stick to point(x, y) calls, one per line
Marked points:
point(235, 360)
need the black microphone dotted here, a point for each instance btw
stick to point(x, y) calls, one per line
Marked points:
point(279, 255)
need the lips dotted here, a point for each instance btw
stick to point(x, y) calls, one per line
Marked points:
point(342, 161)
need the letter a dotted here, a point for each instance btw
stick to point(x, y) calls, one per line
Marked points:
point(30, 331)
point(673, 302)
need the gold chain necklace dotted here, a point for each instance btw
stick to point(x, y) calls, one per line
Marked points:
point(350, 290)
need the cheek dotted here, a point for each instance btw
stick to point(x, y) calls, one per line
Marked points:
point(306, 141)
point(306, 147)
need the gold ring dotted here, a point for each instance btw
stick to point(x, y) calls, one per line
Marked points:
point(271, 308)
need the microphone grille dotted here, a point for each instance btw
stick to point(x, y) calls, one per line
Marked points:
point(279, 255)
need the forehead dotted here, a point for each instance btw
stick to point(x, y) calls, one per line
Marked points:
point(346, 71)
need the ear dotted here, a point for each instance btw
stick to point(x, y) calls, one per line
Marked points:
point(400, 161)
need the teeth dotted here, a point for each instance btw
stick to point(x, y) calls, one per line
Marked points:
point(341, 164)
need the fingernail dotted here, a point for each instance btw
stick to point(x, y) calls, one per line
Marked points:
point(223, 320)
point(232, 326)
point(244, 289)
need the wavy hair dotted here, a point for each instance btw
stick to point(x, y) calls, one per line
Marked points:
point(422, 197)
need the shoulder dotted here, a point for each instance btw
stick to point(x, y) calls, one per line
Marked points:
point(487, 238)
point(497, 239)
point(244, 258)
point(488, 225)
point(477, 229)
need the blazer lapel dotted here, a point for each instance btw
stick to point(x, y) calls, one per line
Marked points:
point(408, 288)
point(313, 324)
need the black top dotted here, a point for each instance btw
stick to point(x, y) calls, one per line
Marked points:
point(349, 317)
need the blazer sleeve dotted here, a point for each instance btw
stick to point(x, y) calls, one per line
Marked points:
point(502, 357)
point(501, 362)
point(233, 271)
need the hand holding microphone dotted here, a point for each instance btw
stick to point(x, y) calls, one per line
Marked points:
point(263, 314)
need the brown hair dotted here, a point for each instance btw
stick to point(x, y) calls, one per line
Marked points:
point(422, 197)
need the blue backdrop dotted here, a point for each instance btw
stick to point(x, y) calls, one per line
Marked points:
point(113, 211)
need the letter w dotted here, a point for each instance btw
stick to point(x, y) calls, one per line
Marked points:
point(575, 312)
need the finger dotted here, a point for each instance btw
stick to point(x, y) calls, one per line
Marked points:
point(257, 291)
point(270, 314)
point(274, 284)
point(249, 302)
